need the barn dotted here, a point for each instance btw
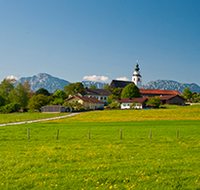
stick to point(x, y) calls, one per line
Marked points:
point(55, 109)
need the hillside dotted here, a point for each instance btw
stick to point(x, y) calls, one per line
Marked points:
point(52, 84)
point(171, 85)
point(44, 80)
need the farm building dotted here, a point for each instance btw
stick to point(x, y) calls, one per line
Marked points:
point(172, 100)
point(87, 102)
point(100, 94)
point(55, 109)
point(139, 103)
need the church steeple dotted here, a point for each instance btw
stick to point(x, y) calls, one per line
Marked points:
point(137, 78)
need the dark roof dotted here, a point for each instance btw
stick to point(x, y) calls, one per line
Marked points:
point(87, 99)
point(55, 106)
point(168, 97)
point(119, 83)
point(132, 100)
point(104, 92)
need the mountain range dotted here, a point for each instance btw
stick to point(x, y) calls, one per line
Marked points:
point(52, 84)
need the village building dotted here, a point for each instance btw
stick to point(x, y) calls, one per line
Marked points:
point(100, 94)
point(147, 93)
point(172, 100)
point(137, 78)
point(87, 102)
point(138, 103)
point(55, 109)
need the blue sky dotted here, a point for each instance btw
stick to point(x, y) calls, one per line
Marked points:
point(72, 39)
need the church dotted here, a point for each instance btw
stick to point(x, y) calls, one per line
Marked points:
point(167, 96)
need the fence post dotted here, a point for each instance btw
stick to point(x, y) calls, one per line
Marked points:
point(28, 133)
point(57, 134)
point(177, 134)
point(150, 134)
point(89, 135)
point(120, 133)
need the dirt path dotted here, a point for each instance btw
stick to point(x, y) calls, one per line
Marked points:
point(23, 122)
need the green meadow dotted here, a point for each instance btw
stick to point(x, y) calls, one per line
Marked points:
point(104, 161)
point(19, 117)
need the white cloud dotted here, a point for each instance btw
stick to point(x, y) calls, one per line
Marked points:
point(122, 78)
point(96, 78)
point(12, 77)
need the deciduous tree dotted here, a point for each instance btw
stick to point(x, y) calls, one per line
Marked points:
point(74, 89)
point(154, 101)
point(42, 91)
point(131, 90)
point(37, 101)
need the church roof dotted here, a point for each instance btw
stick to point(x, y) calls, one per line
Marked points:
point(119, 83)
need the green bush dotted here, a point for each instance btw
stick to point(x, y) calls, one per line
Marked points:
point(114, 105)
point(10, 108)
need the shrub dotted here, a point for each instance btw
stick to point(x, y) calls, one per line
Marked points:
point(10, 108)
point(114, 105)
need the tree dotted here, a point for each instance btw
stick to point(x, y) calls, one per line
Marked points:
point(42, 91)
point(60, 94)
point(106, 87)
point(92, 87)
point(57, 101)
point(2, 101)
point(115, 95)
point(10, 108)
point(37, 101)
point(131, 90)
point(187, 94)
point(19, 95)
point(74, 89)
point(5, 88)
point(27, 86)
point(114, 105)
point(154, 101)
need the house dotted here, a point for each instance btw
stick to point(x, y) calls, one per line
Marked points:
point(172, 99)
point(87, 102)
point(55, 109)
point(139, 103)
point(100, 94)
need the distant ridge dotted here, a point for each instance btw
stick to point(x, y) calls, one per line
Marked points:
point(43, 80)
point(99, 85)
point(171, 85)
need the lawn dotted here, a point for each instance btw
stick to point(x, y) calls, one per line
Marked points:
point(18, 117)
point(104, 161)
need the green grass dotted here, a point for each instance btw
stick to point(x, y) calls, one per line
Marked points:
point(18, 117)
point(103, 162)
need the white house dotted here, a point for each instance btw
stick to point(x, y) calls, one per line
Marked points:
point(139, 103)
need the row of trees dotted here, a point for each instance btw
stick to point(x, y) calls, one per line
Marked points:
point(18, 98)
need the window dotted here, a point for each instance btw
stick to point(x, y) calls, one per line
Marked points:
point(104, 98)
point(101, 98)
point(138, 79)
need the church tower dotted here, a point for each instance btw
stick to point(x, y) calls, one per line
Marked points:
point(137, 78)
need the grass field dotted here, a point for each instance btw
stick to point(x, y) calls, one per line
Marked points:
point(18, 117)
point(105, 161)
